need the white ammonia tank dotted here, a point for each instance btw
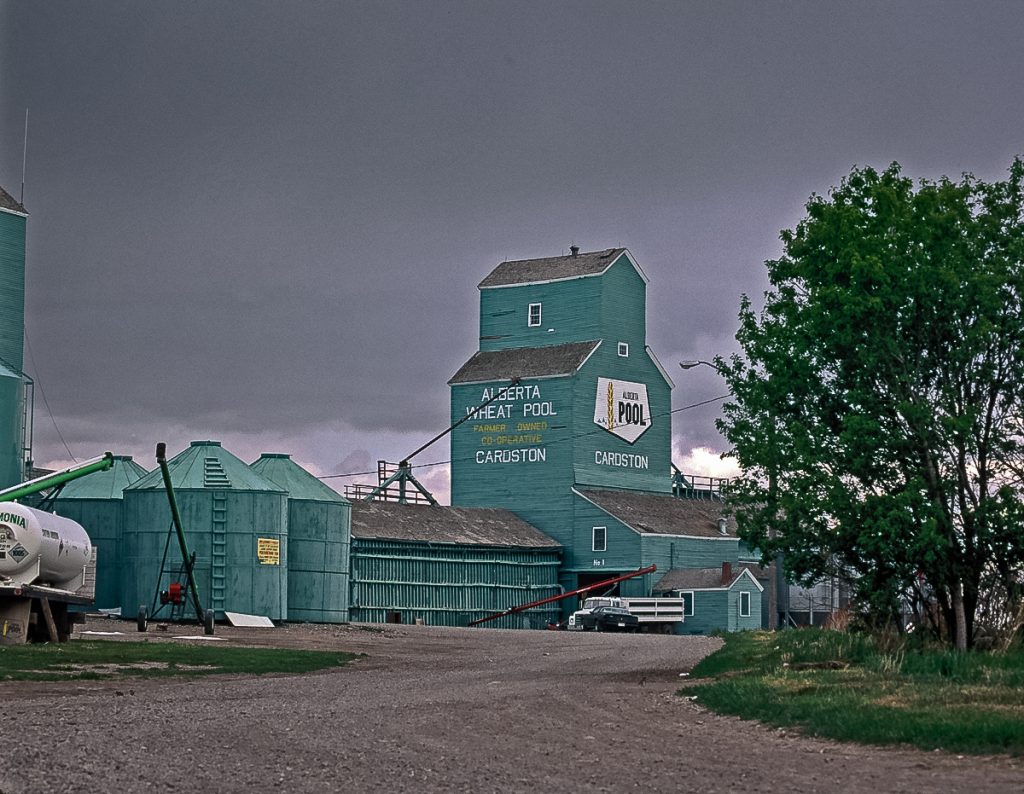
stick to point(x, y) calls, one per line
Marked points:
point(41, 548)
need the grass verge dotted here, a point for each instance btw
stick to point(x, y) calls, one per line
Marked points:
point(87, 659)
point(848, 687)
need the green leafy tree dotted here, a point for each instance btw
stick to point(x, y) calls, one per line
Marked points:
point(876, 406)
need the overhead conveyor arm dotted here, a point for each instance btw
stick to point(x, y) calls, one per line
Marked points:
point(57, 478)
point(578, 591)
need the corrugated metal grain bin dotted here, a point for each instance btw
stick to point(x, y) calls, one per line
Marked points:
point(12, 336)
point(11, 412)
point(319, 533)
point(96, 502)
point(235, 520)
point(447, 566)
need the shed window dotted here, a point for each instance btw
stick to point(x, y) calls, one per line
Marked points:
point(624, 349)
point(600, 538)
point(534, 319)
point(744, 605)
point(688, 603)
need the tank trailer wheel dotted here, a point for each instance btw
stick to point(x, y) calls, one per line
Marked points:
point(142, 619)
point(208, 622)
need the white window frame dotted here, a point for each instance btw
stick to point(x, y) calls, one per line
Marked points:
point(604, 537)
point(529, 315)
point(744, 596)
point(624, 349)
point(692, 601)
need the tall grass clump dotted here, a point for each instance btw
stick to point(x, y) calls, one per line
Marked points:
point(869, 688)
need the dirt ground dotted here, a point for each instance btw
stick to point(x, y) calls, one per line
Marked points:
point(431, 709)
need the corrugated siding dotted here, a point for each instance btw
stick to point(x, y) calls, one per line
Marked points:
point(102, 519)
point(12, 289)
point(449, 585)
point(222, 528)
point(319, 537)
point(11, 402)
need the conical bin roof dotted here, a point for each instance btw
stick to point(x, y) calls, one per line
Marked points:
point(206, 465)
point(109, 484)
point(299, 483)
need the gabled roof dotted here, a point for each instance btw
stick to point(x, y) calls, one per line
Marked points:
point(662, 514)
point(108, 484)
point(7, 202)
point(525, 362)
point(701, 579)
point(206, 465)
point(555, 268)
point(299, 483)
point(464, 525)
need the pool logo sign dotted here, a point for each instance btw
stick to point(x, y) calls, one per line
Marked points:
point(621, 408)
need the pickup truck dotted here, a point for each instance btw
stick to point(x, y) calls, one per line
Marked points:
point(653, 614)
point(610, 619)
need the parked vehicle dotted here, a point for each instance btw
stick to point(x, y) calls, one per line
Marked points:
point(610, 619)
point(653, 614)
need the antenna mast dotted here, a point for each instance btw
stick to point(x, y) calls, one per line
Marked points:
point(24, 159)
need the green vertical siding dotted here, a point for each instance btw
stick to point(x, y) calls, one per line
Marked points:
point(101, 518)
point(11, 413)
point(12, 341)
point(450, 585)
point(222, 528)
point(12, 290)
point(318, 560)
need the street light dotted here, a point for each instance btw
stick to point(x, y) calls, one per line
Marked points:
point(697, 363)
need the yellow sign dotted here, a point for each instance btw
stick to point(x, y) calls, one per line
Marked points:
point(268, 551)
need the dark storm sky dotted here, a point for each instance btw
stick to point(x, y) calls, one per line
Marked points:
point(264, 223)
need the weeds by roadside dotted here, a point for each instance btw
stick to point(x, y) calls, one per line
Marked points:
point(96, 659)
point(855, 687)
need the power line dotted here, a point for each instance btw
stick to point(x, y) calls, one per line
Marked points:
point(39, 383)
point(552, 443)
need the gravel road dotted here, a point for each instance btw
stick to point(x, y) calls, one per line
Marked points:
point(436, 710)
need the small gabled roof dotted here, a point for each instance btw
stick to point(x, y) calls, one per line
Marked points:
point(702, 579)
point(8, 202)
point(555, 268)
point(109, 484)
point(206, 465)
point(299, 483)
point(662, 514)
point(474, 526)
point(525, 362)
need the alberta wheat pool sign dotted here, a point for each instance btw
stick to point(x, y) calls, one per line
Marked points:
point(622, 408)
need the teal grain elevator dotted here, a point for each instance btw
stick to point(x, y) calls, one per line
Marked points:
point(13, 435)
point(569, 427)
